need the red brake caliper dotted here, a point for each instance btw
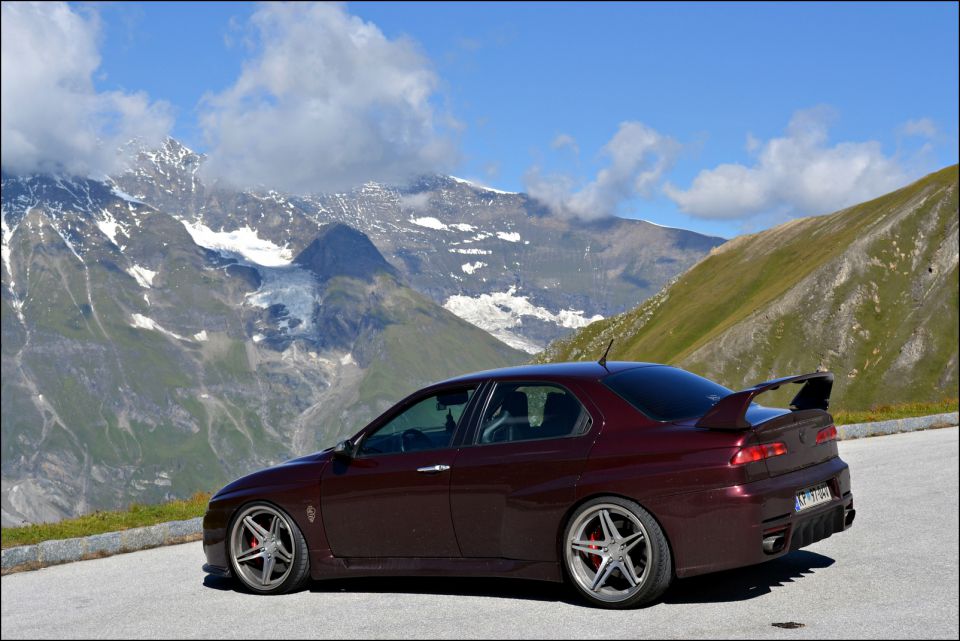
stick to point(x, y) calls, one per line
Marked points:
point(596, 535)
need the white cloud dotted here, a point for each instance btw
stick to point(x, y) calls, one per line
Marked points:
point(327, 103)
point(566, 141)
point(419, 201)
point(638, 157)
point(53, 119)
point(798, 174)
point(922, 127)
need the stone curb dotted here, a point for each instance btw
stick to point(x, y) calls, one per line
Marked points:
point(33, 557)
point(879, 428)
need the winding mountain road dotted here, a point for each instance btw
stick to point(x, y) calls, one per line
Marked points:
point(894, 574)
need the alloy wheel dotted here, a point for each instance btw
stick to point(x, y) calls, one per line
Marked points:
point(608, 552)
point(262, 547)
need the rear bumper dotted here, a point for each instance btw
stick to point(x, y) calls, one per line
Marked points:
point(726, 527)
point(809, 530)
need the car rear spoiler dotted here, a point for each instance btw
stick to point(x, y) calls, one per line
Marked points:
point(730, 412)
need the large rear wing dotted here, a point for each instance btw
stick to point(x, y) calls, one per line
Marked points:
point(730, 412)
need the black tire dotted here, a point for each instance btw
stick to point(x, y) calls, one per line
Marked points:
point(296, 574)
point(655, 558)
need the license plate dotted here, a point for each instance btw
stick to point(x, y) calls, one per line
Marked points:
point(812, 497)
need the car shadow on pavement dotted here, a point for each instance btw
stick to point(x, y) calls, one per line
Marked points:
point(746, 583)
point(221, 583)
point(454, 586)
point(732, 585)
point(459, 586)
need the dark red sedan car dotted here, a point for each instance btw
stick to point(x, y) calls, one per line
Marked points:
point(616, 476)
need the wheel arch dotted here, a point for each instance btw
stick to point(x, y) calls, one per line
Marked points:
point(241, 506)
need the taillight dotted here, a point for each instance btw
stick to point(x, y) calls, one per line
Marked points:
point(827, 434)
point(758, 453)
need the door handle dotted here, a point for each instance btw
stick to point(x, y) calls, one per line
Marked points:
point(433, 469)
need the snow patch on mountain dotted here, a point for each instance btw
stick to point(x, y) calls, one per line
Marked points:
point(481, 186)
point(66, 241)
point(471, 251)
point(144, 322)
point(119, 193)
point(109, 225)
point(7, 234)
point(481, 236)
point(430, 223)
point(242, 243)
point(109, 229)
point(469, 268)
point(143, 276)
point(510, 237)
point(499, 312)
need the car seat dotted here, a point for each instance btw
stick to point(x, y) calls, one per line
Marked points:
point(513, 421)
point(560, 414)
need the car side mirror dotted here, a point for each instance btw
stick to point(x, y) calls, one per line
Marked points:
point(344, 449)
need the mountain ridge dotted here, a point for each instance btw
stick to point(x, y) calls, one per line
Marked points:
point(457, 242)
point(139, 365)
point(869, 291)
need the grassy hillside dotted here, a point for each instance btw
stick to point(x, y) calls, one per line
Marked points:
point(869, 292)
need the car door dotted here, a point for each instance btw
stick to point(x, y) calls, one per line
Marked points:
point(515, 476)
point(391, 499)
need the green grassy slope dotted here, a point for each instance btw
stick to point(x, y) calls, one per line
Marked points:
point(869, 292)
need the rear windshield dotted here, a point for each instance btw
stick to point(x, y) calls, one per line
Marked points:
point(666, 393)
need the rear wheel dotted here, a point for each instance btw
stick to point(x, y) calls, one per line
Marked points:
point(616, 554)
point(267, 550)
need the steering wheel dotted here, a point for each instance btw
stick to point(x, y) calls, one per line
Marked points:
point(413, 439)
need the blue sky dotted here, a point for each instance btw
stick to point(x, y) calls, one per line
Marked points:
point(718, 117)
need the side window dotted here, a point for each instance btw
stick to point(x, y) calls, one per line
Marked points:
point(528, 411)
point(428, 424)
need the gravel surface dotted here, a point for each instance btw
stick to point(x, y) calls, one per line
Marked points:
point(894, 574)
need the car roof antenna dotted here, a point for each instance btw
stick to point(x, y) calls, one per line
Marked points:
point(603, 359)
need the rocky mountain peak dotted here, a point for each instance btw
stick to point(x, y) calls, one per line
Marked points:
point(341, 250)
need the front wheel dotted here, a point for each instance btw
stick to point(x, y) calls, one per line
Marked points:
point(616, 554)
point(267, 550)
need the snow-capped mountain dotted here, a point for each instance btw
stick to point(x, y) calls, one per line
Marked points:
point(497, 259)
point(161, 336)
point(146, 357)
